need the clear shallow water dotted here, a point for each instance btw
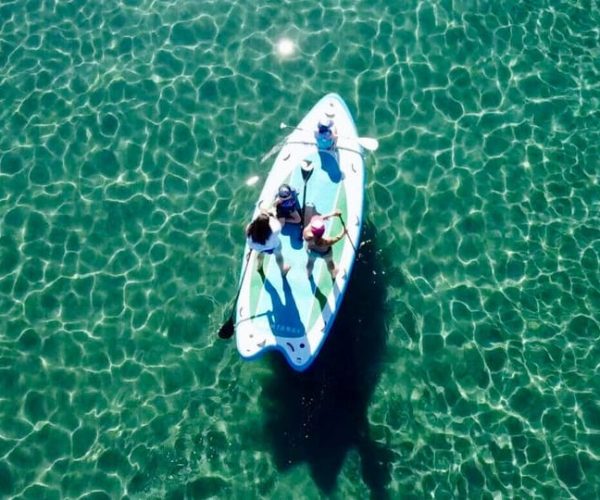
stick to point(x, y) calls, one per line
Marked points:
point(465, 360)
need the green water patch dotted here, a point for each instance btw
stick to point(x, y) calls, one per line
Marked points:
point(127, 134)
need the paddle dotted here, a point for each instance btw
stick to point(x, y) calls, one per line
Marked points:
point(307, 169)
point(369, 143)
point(346, 231)
point(331, 153)
point(273, 150)
point(226, 331)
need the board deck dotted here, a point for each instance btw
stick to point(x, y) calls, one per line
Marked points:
point(294, 315)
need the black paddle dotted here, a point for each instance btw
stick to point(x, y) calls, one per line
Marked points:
point(307, 169)
point(228, 327)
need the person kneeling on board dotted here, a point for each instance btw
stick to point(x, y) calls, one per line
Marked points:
point(326, 135)
point(262, 235)
point(319, 246)
point(287, 205)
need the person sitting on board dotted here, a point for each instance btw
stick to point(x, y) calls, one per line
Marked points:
point(318, 245)
point(262, 235)
point(287, 205)
point(326, 135)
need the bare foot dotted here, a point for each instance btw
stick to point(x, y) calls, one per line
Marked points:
point(334, 273)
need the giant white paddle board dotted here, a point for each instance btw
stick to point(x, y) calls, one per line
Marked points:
point(294, 314)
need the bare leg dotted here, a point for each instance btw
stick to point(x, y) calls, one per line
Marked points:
point(310, 264)
point(259, 262)
point(284, 268)
point(294, 218)
point(331, 266)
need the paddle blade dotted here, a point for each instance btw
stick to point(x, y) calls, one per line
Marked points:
point(274, 149)
point(226, 331)
point(369, 143)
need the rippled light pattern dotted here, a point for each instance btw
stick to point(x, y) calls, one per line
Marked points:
point(464, 363)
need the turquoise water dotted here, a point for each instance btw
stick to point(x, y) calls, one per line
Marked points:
point(465, 360)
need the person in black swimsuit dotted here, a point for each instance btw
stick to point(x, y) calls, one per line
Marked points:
point(287, 205)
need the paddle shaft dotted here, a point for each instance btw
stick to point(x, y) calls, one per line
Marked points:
point(306, 175)
point(303, 214)
point(227, 329)
point(308, 143)
point(241, 281)
point(366, 142)
point(349, 239)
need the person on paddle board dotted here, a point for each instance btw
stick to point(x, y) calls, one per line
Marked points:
point(262, 235)
point(326, 134)
point(287, 205)
point(319, 246)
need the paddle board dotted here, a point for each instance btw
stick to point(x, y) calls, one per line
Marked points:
point(294, 314)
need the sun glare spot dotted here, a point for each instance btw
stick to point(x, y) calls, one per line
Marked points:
point(252, 180)
point(285, 47)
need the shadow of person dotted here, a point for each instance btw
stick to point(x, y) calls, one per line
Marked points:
point(320, 296)
point(294, 232)
point(318, 416)
point(330, 165)
point(285, 312)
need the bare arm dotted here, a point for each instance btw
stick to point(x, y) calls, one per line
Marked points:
point(335, 239)
point(340, 236)
point(335, 213)
point(268, 209)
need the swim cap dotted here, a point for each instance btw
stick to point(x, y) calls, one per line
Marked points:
point(285, 191)
point(317, 226)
